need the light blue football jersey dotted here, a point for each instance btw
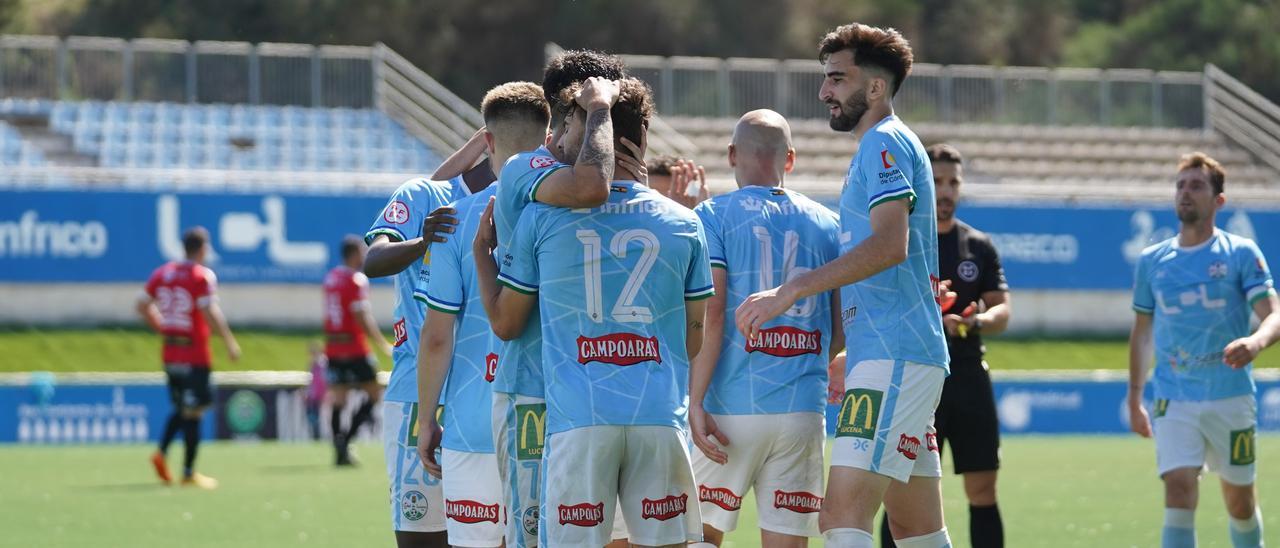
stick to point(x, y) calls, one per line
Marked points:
point(401, 220)
point(520, 371)
point(612, 282)
point(761, 237)
point(1201, 298)
point(452, 288)
point(893, 315)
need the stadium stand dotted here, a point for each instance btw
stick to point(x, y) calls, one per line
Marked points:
point(213, 136)
point(1007, 153)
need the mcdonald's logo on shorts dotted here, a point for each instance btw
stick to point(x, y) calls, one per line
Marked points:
point(859, 414)
point(531, 419)
point(1161, 408)
point(1242, 447)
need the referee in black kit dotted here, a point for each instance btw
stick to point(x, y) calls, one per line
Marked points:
point(966, 416)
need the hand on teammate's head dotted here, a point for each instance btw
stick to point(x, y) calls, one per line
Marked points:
point(597, 93)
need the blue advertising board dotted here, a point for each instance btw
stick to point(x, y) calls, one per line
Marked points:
point(86, 413)
point(51, 236)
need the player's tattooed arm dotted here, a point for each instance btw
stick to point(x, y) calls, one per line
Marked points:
point(388, 258)
point(586, 184)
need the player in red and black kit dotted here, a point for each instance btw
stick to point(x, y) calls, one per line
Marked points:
point(180, 303)
point(966, 417)
point(349, 326)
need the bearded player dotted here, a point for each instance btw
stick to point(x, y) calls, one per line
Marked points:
point(1196, 292)
point(759, 421)
point(620, 287)
point(885, 448)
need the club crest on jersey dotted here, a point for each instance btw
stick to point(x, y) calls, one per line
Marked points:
point(1218, 270)
point(909, 446)
point(582, 515)
point(539, 162)
point(401, 332)
point(622, 349)
point(490, 367)
point(664, 508)
point(799, 502)
point(720, 496)
point(785, 341)
point(397, 213)
point(967, 270)
point(470, 511)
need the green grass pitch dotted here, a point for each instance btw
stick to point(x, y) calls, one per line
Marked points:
point(1054, 492)
point(114, 349)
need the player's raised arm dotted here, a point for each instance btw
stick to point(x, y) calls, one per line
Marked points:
point(389, 254)
point(510, 304)
point(586, 183)
point(463, 159)
point(433, 367)
point(884, 248)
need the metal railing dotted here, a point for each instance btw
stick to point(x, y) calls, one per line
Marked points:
point(427, 109)
point(714, 87)
point(1242, 115)
point(148, 69)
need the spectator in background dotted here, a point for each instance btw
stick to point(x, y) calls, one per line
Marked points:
point(678, 179)
point(316, 390)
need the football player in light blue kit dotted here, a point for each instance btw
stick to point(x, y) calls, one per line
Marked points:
point(534, 175)
point(1196, 291)
point(620, 291)
point(399, 239)
point(763, 425)
point(460, 351)
point(885, 449)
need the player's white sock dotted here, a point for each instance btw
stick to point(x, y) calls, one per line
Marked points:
point(848, 537)
point(1247, 533)
point(1179, 528)
point(702, 545)
point(936, 539)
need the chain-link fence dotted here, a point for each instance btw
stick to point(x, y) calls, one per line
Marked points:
point(712, 87)
point(112, 69)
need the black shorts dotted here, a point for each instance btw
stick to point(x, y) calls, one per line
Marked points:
point(189, 385)
point(966, 419)
point(352, 370)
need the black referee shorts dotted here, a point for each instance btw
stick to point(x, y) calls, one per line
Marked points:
point(966, 418)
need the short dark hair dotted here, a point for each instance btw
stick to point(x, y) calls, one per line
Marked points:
point(943, 152)
point(351, 244)
point(661, 165)
point(515, 100)
point(1202, 161)
point(884, 49)
point(576, 65)
point(194, 239)
point(630, 114)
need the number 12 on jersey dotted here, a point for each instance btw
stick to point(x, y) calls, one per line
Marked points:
point(624, 309)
